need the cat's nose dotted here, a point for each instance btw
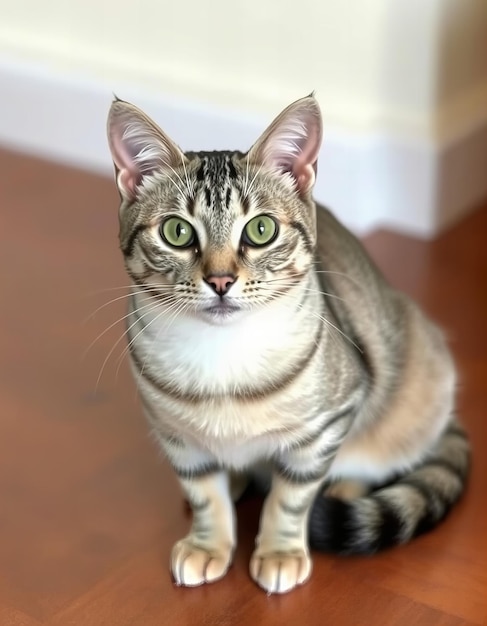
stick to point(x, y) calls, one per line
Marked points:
point(220, 283)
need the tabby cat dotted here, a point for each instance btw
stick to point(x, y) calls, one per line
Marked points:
point(265, 344)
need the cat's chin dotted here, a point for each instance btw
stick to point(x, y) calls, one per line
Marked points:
point(221, 313)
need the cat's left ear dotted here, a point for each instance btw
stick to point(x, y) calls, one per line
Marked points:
point(139, 147)
point(291, 144)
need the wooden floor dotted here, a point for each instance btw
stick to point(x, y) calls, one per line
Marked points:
point(88, 508)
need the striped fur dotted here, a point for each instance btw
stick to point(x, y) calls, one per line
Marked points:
point(395, 513)
point(309, 373)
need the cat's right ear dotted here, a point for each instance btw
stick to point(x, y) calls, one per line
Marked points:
point(139, 147)
point(291, 144)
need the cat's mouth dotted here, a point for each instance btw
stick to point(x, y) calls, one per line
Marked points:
point(221, 310)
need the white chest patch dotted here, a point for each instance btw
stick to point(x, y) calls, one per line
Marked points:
point(220, 361)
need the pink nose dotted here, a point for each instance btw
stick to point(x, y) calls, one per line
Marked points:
point(220, 284)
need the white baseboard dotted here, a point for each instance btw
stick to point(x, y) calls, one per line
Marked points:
point(367, 179)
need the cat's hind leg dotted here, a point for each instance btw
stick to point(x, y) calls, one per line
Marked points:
point(347, 489)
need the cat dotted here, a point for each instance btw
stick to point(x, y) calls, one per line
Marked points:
point(265, 343)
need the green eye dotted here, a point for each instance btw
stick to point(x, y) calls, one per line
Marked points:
point(260, 231)
point(177, 232)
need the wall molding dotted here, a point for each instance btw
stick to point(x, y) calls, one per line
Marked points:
point(368, 179)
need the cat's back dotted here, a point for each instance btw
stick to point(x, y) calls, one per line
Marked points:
point(340, 251)
point(360, 296)
point(400, 347)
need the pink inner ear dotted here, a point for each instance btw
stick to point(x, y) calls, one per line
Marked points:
point(306, 179)
point(311, 142)
point(128, 181)
point(304, 167)
point(139, 147)
point(129, 175)
point(301, 160)
point(293, 143)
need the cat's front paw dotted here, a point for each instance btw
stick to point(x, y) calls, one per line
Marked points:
point(192, 565)
point(280, 572)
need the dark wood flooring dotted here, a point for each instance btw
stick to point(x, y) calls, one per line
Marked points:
point(88, 508)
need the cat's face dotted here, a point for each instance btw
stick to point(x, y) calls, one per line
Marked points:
point(219, 234)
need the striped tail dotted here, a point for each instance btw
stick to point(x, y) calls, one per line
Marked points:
point(394, 514)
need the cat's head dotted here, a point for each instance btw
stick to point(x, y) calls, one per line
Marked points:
point(218, 233)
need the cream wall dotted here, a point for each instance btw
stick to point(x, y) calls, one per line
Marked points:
point(402, 85)
point(461, 81)
point(393, 64)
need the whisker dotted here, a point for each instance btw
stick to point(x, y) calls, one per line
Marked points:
point(342, 274)
point(153, 308)
point(109, 328)
point(331, 325)
point(246, 176)
point(189, 187)
point(131, 285)
point(310, 311)
point(175, 308)
point(131, 342)
point(127, 295)
point(249, 189)
point(288, 285)
point(287, 276)
point(173, 181)
point(179, 309)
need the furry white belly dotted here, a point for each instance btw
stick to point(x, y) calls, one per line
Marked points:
point(237, 434)
point(239, 456)
point(225, 424)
